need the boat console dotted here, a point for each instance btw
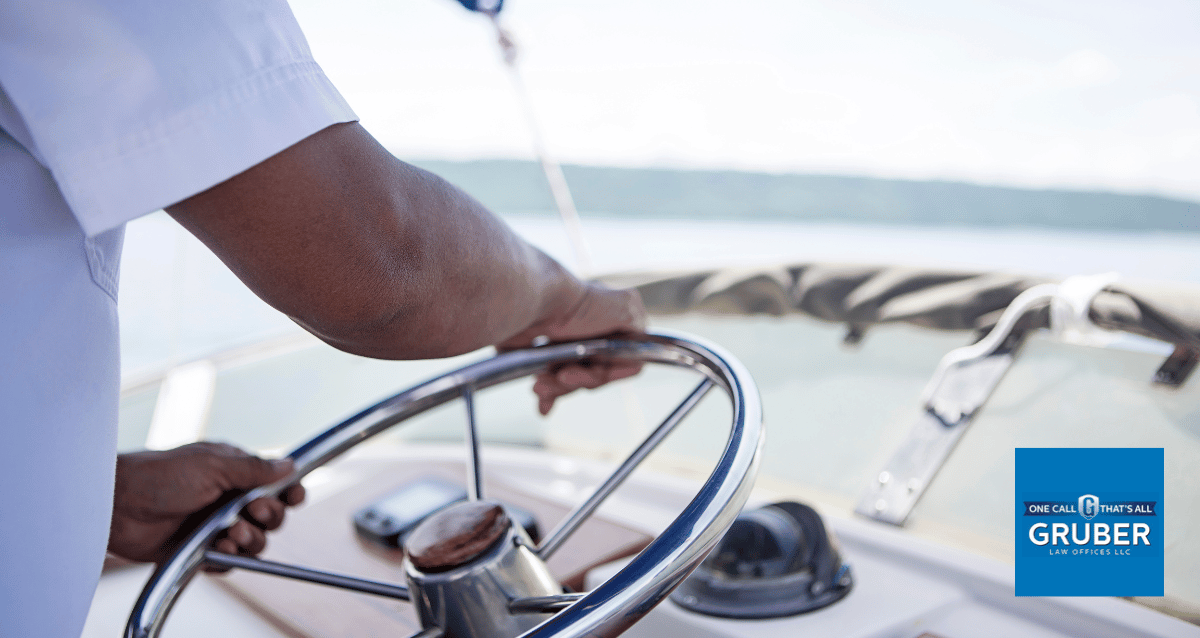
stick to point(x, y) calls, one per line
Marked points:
point(610, 562)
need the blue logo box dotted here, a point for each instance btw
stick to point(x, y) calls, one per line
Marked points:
point(1089, 521)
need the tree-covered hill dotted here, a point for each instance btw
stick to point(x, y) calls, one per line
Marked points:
point(517, 186)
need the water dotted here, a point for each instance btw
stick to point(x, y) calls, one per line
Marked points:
point(178, 302)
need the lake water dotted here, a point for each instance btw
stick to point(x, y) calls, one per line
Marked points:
point(178, 302)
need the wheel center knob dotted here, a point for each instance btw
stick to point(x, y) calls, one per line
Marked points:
point(456, 535)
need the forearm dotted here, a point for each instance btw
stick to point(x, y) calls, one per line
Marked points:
point(452, 277)
point(373, 255)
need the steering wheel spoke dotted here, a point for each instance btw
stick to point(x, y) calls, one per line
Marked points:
point(573, 520)
point(474, 465)
point(295, 572)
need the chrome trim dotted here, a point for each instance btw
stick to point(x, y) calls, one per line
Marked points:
point(1034, 297)
point(616, 604)
point(283, 570)
point(543, 604)
point(962, 383)
point(471, 600)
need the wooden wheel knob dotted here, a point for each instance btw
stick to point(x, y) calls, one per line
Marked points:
point(456, 535)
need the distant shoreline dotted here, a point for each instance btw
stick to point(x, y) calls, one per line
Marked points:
point(515, 186)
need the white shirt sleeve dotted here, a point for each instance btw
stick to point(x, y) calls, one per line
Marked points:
point(137, 104)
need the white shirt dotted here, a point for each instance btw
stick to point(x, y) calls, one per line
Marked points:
point(108, 111)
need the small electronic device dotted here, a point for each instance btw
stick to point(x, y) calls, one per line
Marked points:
point(389, 520)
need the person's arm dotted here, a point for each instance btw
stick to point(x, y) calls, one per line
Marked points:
point(382, 259)
point(377, 258)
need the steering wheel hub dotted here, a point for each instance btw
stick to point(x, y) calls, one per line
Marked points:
point(456, 535)
point(465, 565)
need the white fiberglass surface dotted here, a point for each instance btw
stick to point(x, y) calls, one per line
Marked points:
point(205, 610)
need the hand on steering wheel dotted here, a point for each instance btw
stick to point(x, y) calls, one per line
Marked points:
point(600, 311)
point(160, 496)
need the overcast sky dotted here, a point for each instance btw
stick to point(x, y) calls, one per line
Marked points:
point(1079, 94)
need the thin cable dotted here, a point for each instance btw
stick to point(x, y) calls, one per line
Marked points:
point(554, 175)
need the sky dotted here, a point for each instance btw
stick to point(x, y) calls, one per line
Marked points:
point(1066, 94)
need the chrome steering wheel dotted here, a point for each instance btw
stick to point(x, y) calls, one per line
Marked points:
point(605, 611)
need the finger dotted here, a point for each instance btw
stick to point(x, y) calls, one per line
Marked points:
point(547, 389)
point(293, 495)
point(546, 403)
point(250, 539)
point(225, 546)
point(547, 385)
point(553, 384)
point(588, 375)
point(624, 370)
point(267, 513)
point(580, 376)
point(246, 471)
point(568, 378)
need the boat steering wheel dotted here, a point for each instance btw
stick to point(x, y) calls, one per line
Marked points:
point(606, 610)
